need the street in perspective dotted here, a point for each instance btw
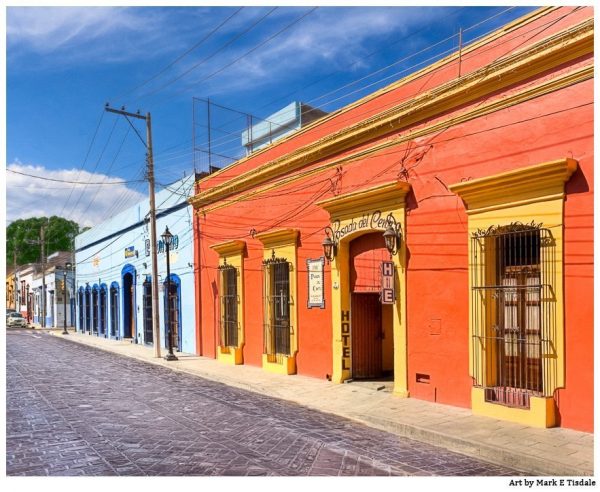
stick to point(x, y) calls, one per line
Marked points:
point(124, 417)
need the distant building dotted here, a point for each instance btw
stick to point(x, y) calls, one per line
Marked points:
point(29, 283)
point(285, 121)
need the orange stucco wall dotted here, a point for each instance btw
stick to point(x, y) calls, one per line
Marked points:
point(552, 126)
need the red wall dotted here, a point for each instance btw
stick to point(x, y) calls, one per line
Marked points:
point(550, 127)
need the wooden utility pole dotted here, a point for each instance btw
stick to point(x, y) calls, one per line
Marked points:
point(153, 242)
point(43, 241)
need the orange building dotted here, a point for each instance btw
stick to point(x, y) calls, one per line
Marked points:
point(455, 209)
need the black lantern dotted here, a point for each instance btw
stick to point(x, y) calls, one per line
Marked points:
point(167, 238)
point(328, 248)
point(392, 240)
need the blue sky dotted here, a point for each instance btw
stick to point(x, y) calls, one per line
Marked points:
point(64, 64)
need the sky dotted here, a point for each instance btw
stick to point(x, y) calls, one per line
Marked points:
point(63, 64)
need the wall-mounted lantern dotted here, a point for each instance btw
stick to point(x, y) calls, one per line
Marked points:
point(329, 245)
point(392, 240)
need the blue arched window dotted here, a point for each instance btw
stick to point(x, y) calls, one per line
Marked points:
point(95, 292)
point(128, 286)
point(103, 310)
point(87, 303)
point(114, 310)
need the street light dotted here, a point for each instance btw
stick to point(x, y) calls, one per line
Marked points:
point(167, 238)
point(27, 303)
point(67, 267)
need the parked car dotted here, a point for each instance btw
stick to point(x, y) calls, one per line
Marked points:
point(15, 319)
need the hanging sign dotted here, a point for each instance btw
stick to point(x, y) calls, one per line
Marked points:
point(316, 297)
point(388, 293)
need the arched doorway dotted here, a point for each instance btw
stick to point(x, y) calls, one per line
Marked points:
point(147, 310)
point(352, 215)
point(372, 346)
point(129, 304)
point(88, 303)
point(172, 310)
point(114, 310)
point(102, 311)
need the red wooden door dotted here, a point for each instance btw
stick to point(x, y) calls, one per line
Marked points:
point(366, 336)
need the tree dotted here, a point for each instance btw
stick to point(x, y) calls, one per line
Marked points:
point(59, 235)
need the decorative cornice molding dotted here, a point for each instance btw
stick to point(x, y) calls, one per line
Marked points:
point(526, 185)
point(362, 199)
point(234, 247)
point(546, 54)
point(546, 87)
point(280, 237)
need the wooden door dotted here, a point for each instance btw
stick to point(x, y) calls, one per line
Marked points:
point(366, 336)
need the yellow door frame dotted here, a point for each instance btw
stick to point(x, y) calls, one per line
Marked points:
point(352, 215)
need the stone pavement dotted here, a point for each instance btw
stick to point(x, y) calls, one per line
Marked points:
point(556, 451)
point(75, 410)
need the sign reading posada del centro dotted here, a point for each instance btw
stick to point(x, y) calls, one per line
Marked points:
point(369, 221)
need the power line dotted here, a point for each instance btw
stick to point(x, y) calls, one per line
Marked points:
point(193, 67)
point(352, 116)
point(189, 50)
point(73, 182)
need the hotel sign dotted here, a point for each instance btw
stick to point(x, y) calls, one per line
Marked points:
point(316, 297)
point(388, 292)
point(369, 221)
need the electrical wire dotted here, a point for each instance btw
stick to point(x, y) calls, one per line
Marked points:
point(221, 48)
point(185, 53)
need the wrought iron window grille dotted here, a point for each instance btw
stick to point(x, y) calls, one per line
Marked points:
point(512, 302)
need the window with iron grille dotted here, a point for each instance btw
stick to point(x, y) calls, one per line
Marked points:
point(147, 310)
point(276, 294)
point(229, 306)
point(512, 312)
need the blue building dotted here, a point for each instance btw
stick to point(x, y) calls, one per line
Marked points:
point(114, 272)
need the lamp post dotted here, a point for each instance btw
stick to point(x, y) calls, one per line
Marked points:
point(67, 267)
point(27, 303)
point(167, 238)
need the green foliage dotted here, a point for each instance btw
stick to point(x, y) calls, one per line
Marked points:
point(23, 236)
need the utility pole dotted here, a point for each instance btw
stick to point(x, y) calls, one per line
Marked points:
point(150, 176)
point(43, 241)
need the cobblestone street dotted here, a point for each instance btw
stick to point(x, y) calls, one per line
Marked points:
point(75, 410)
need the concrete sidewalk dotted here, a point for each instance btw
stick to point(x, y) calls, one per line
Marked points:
point(557, 452)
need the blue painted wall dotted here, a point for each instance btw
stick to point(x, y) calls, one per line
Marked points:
point(104, 251)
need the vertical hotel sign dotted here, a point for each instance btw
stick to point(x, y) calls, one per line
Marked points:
point(388, 292)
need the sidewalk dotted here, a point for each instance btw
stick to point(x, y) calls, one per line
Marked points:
point(556, 451)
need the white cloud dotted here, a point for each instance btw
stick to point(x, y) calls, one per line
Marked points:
point(336, 38)
point(90, 34)
point(87, 205)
